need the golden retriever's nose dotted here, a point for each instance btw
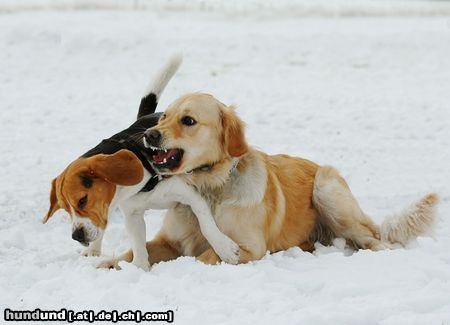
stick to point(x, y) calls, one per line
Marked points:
point(153, 137)
point(79, 235)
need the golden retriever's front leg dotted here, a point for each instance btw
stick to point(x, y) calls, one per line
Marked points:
point(161, 250)
point(249, 252)
point(209, 257)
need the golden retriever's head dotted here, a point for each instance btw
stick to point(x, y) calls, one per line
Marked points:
point(194, 131)
point(86, 188)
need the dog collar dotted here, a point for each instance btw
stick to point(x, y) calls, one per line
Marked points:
point(208, 167)
point(234, 165)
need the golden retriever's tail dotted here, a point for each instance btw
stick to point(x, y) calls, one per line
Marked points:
point(341, 216)
point(417, 220)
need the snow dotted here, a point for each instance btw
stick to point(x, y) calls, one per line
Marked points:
point(266, 8)
point(367, 95)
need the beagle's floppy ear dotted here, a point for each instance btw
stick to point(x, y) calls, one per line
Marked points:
point(233, 133)
point(120, 168)
point(54, 205)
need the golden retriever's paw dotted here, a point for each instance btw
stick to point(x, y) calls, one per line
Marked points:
point(89, 251)
point(228, 250)
point(109, 264)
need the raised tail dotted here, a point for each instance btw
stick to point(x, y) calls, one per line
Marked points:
point(341, 216)
point(150, 100)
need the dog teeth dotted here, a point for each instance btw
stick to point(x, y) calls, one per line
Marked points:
point(165, 150)
point(164, 161)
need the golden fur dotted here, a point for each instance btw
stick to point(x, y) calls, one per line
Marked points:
point(269, 202)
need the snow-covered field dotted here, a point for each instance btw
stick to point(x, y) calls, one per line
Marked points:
point(368, 95)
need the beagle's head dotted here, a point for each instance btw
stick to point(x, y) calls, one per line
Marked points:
point(85, 189)
point(194, 131)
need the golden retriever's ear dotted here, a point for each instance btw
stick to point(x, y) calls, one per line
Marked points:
point(54, 206)
point(120, 168)
point(234, 138)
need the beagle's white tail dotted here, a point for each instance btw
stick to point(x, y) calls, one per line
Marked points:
point(151, 98)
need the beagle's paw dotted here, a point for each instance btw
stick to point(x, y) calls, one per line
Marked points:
point(227, 250)
point(112, 263)
point(142, 264)
point(90, 251)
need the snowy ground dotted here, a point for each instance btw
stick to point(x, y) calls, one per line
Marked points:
point(368, 95)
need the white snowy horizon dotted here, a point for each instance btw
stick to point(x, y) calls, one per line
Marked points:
point(367, 93)
point(258, 8)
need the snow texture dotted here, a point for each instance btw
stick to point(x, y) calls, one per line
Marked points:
point(367, 95)
point(266, 8)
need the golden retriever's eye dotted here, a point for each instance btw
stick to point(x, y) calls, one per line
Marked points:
point(162, 117)
point(187, 120)
point(82, 202)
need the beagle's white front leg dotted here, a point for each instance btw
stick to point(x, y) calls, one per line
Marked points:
point(223, 245)
point(175, 190)
point(94, 248)
point(135, 227)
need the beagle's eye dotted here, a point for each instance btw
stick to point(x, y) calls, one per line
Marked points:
point(189, 121)
point(82, 202)
point(86, 181)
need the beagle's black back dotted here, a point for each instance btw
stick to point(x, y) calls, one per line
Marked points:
point(131, 138)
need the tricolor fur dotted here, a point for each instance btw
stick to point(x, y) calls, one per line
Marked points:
point(113, 175)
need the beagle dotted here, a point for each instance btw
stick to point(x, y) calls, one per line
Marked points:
point(117, 173)
point(263, 202)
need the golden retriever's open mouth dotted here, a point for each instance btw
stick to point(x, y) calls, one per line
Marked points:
point(165, 158)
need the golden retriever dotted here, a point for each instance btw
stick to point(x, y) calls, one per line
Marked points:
point(263, 202)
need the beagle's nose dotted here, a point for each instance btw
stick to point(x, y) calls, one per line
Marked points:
point(153, 137)
point(78, 235)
